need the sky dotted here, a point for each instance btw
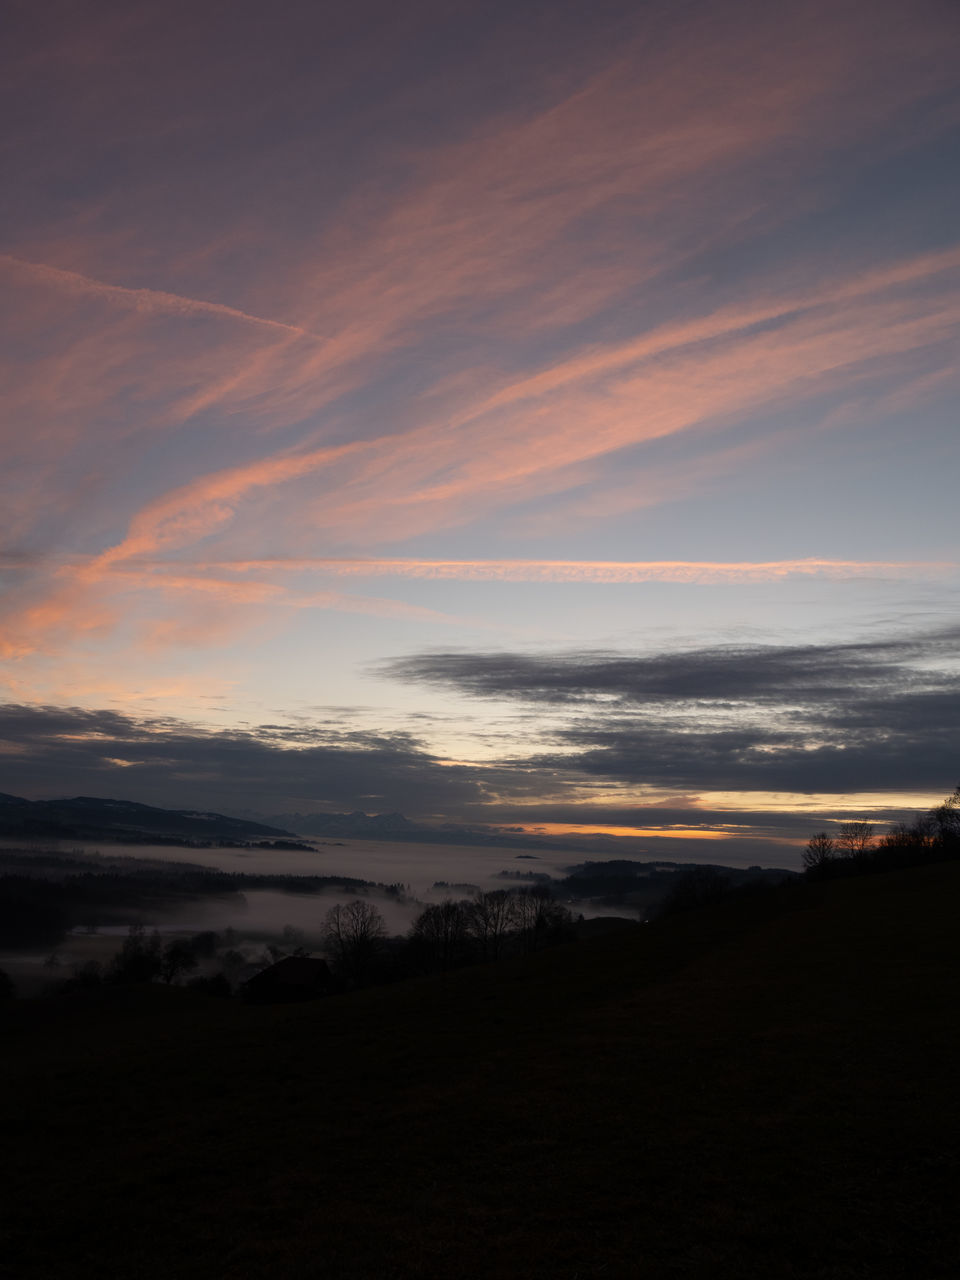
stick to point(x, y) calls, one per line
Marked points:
point(538, 415)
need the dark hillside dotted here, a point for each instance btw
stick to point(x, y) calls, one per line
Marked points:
point(766, 1088)
point(95, 818)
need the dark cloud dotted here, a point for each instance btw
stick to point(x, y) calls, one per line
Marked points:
point(49, 751)
point(755, 758)
point(875, 715)
point(756, 673)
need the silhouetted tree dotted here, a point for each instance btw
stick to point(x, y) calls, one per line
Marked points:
point(176, 958)
point(488, 920)
point(536, 916)
point(205, 944)
point(854, 839)
point(946, 819)
point(352, 935)
point(698, 887)
point(930, 837)
point(138, 960)
point(234, 962)
point(906, 840)
point(820, 851)
point(439, 934)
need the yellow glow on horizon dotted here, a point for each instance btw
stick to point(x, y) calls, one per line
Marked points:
point(582, 829)
point(720, 802)
point(798, 802)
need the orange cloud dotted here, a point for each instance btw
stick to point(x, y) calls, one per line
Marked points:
point(660, 833)
point(195, 510)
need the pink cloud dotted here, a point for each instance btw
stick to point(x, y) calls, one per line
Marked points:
point(471, 308)
point(533, 437)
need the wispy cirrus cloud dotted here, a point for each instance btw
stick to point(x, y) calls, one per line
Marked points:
point(100, 607)
point(553, 435)
point(192, 512)
point(255, 332)
point(433, 477)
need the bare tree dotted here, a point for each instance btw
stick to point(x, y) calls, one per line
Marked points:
point(821, 849)
point(854, 839)
point(440, 933)
point(946, 818)
point(488, 919)
point(918, 835)
point(352, 934)
point(138, 960)
point(176, 958)
point(535, 914)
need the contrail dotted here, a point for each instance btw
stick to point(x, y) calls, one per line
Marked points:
point(597, 571)
point(147, 300)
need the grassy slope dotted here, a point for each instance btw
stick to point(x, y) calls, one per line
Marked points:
point(728, 1095)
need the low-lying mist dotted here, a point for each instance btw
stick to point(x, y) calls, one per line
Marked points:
point(416, 875)
point(266, 913)
point(388, 862)
point(66, 907)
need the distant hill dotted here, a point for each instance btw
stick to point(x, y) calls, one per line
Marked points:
point(95, 818)
point(380, 826)
point(396, 826)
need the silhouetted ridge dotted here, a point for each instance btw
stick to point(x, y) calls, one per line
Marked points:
point(96, 817)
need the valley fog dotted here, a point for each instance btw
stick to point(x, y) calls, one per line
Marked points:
point(418, 866)
point(425, 873)
point(428, 873)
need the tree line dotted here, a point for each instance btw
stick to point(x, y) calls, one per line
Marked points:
point(353, 937)
point(855, 847)
point(444, 935)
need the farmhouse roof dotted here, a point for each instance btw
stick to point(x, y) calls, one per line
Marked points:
point(300, 974)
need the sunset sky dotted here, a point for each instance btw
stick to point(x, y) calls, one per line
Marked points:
point(537, 414)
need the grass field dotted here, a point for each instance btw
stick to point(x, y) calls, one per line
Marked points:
point(763, 1089)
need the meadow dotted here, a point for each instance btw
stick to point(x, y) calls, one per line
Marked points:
point(762, 1087)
